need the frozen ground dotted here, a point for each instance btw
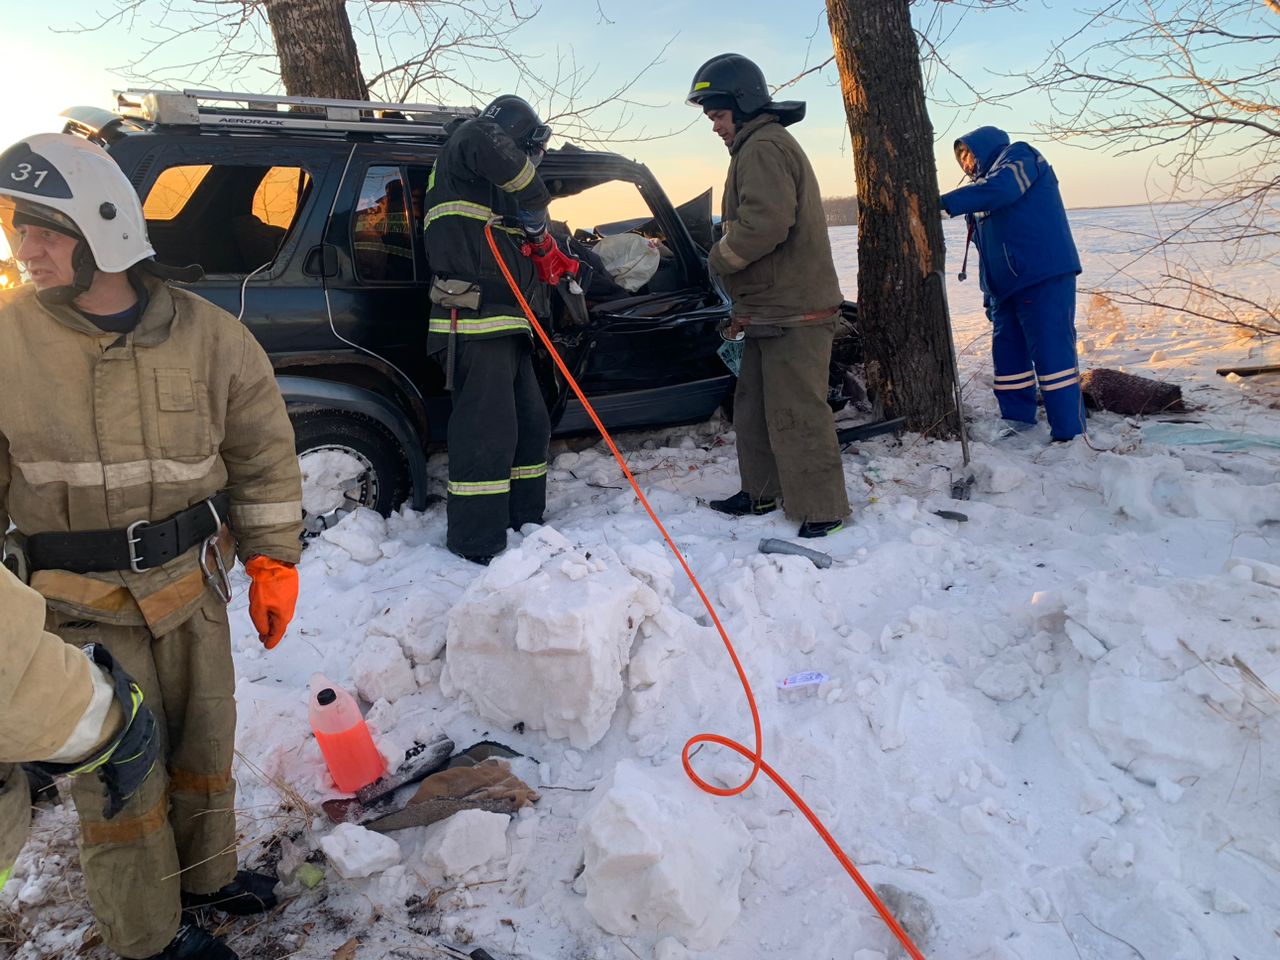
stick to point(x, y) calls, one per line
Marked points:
point(1052, 727)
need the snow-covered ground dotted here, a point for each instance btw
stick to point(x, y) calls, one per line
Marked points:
point(1050, 729)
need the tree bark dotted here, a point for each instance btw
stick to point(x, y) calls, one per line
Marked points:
point(316, 49)
point(901, 257)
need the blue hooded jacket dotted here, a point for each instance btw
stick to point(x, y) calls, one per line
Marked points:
point(1020, 223)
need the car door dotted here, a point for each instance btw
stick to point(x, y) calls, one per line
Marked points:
point(377, 291)
point(247, 213)
point(648, 357)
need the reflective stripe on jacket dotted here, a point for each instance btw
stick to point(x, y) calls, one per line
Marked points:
point(100, 430)
point(480, 175)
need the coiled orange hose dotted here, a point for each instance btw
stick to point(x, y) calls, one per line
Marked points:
point(755, 756)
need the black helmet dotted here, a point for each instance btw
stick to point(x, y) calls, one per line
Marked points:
point(514, 115)
point(732, 82)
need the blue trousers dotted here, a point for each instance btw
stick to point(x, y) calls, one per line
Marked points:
point(1034, 341)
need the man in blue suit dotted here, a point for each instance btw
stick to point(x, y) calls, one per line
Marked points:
point(1028, 265)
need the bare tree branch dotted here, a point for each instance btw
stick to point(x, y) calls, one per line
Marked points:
point(1195, 84)
point(441, 51)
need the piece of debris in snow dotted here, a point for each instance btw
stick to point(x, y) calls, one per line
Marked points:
point(489, 786)
point(955, 515)
point(420, 760)
point(802, 685)
point(772, 545)
point(1129, 394)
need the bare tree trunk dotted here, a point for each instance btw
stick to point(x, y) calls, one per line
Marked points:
point(901, 308)
point(316, 48)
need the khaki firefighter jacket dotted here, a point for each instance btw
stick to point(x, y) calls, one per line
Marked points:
point(54, 705)
point(99, 430)
point(775, 255)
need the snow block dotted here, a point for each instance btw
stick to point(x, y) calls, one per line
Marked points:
point(469, 840)
point(356, 852)
point(661, 858)
point(381, 670)
point(543, 635)
point(1256, 570)
point(360, 533)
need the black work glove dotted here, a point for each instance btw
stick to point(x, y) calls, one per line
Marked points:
point(124, 763)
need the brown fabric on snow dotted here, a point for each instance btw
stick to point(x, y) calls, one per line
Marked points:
point(490, 780)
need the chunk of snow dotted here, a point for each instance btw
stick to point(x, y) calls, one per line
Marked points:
point(1256, 570)
point(381, 671)
point(356, 852)
point(466, 841)
point(1227, 901)
point(998, 476)
point(1112, 858)
point(326, 477)
point(1003, 681)
point(542, 648)
point(662, 858)
point(360, 533)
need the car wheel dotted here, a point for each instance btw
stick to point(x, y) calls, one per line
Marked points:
point(347, 461)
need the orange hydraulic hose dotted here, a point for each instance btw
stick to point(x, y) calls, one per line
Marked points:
point(755, 756)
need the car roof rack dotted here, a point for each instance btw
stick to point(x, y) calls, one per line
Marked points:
point(222, 109)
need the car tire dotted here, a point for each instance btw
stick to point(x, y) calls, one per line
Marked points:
point(379, 470)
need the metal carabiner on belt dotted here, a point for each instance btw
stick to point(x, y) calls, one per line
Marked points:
point(216, 578)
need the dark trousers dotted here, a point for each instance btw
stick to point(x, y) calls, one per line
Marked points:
point(1034, 341)
point(499, 431)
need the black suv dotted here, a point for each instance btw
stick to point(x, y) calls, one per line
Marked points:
point(306, 216)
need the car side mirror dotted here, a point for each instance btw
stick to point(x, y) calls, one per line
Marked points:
point(321, 261)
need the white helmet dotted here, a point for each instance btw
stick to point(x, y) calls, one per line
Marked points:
point(73, 186)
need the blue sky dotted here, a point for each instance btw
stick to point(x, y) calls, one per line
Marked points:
point(49, 70)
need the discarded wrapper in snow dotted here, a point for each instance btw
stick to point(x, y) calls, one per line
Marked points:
point(798, 686)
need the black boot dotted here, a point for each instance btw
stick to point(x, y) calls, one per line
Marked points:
point(43, 789)
point(820, 528)
point(741, 505)
point(193, 943)
point(247, 893)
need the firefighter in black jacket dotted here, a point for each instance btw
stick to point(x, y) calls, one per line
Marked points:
point(499, 429)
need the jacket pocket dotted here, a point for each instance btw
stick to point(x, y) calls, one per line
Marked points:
point(755, 278)
point(1010, 260)
point(182, 415)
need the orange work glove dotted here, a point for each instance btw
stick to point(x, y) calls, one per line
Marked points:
point(272, 597)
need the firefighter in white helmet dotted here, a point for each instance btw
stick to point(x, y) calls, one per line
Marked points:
point(167, 453)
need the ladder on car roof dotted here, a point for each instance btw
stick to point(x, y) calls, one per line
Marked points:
point(230, 110)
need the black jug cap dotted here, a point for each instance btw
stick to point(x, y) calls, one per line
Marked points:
point(326, 697)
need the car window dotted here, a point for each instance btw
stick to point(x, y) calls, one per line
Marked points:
point(228, 218)
point(171, 191)
point(381, 228)
point(584, 219)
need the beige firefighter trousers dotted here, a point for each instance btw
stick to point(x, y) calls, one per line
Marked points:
point(786, 436)
point(178, 832)
point(15, 814)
